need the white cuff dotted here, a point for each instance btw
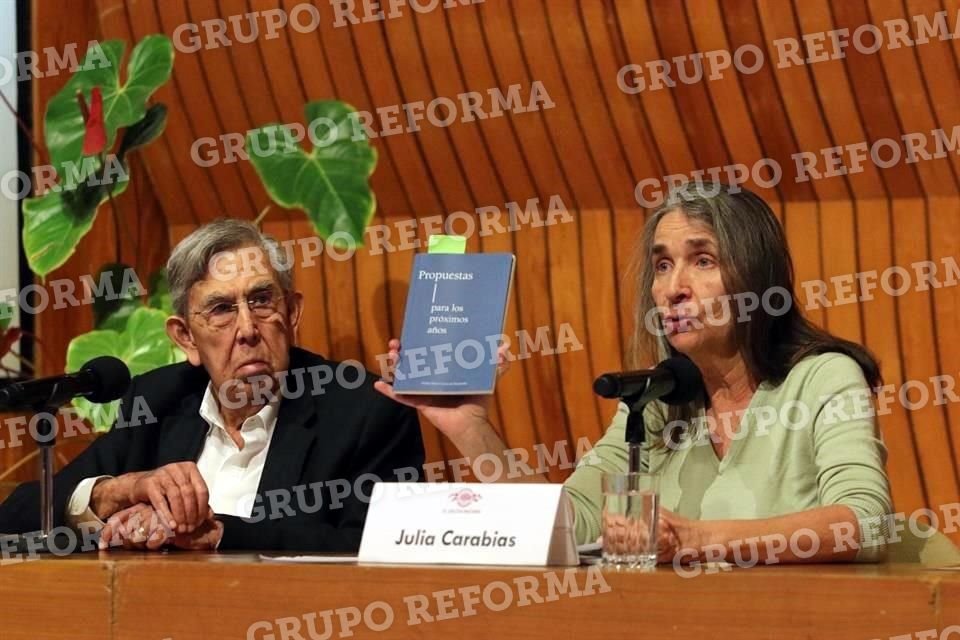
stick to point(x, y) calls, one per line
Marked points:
point(79, 512)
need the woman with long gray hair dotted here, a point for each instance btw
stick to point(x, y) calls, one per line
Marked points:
point(782, 442)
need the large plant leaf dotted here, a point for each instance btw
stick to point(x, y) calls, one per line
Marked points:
point(145, 131)
point(113, 310)
point(55, 222)
point(124, 103)
point(331, 182)
point(159, 287)
point(143, 345)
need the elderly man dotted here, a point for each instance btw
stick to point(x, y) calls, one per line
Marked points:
point(256, 444)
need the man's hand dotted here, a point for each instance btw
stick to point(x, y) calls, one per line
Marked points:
point(176, 491)
point(141, 527)
point(205, 537)
point(136, 527)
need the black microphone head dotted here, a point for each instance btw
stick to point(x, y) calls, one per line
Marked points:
point(111, 377)
point(607, 386)
point(689, 382)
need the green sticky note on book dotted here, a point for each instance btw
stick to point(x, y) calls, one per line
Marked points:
point(447, 244)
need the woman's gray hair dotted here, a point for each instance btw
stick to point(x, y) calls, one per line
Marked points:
point(754, 259)
point(190, 260)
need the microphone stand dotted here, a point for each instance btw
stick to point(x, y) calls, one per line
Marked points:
point(45, 436)
point(46, 439)
point(636, 429)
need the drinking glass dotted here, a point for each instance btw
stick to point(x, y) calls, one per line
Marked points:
point(629, 526)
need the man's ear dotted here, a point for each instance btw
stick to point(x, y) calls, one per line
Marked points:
point(179, 332)
point(294, 310)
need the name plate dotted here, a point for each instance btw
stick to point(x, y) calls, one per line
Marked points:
point(468, 523)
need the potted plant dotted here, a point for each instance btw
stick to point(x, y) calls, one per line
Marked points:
point(90, 127)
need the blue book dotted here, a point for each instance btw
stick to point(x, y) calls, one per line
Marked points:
point(455, 315)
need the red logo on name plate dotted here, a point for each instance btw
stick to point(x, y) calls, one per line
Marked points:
point(465, 497)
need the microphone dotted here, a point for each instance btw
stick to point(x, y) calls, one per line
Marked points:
point(100, 380)
point(676, 380)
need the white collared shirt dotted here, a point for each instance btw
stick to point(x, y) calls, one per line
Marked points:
point(232, 474)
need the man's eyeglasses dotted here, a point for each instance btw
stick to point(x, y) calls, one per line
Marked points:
point(262, 304)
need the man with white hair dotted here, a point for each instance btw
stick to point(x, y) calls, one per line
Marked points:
point(257, 444)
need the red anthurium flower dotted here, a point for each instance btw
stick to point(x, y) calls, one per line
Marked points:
point(95, 133)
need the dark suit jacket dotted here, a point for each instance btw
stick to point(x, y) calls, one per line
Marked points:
point(340, 434)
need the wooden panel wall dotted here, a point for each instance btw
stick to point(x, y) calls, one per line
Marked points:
point(591, 149)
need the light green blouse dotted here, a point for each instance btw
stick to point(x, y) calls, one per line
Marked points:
point(812, 441)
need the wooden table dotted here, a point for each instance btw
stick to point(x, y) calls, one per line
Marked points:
point(185, 596)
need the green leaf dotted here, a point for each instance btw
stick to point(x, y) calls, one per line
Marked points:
point(143, 345)
point(331, 183)
point(6, 315)
point(54, 223)
point(49, 235)
point(123, 103)
point(112, 310)
point(101, 416)
point(142, 133)
point(159, 288)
